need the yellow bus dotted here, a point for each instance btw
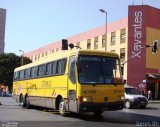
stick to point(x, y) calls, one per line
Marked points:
point(72, 81)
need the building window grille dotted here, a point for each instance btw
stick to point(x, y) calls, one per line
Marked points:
point(46, 53)
point(35, 57)
point(113, 38)
point(57, 49)
point(122, 35)
point(89, 44)
point(38, 56)
point(42, 54)
point(96, 43)
point(103, 40)
point(122, 55)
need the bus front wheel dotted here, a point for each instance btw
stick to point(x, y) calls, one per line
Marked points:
point(62, 108)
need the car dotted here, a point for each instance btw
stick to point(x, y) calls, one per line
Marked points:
point(6, 94)
point(133, 98)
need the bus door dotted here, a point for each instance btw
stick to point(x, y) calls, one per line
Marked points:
point(72, 86)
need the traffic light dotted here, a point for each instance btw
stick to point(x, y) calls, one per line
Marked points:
point(155, 46)
point(64, 44)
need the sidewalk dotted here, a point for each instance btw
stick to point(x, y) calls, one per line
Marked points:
point(153, 101)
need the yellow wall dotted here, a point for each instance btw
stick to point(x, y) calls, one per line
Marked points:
point(152, 60)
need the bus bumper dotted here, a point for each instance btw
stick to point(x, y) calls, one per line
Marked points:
point(107, 106)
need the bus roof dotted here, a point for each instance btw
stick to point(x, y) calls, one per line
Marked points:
point(66, 54)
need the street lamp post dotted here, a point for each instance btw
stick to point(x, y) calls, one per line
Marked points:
point(22, 56)
point(105, 12)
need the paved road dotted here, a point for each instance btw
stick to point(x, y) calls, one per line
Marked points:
point(11, 114)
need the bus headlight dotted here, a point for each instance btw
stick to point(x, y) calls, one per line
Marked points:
point(88, 99)
point(121, 98)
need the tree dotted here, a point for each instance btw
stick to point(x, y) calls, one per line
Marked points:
point(8, 62)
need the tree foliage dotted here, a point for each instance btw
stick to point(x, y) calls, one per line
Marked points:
point(8, 62)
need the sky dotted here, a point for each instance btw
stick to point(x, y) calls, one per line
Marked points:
point(31, 24)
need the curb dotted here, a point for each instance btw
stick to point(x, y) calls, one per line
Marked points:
point(153, 102)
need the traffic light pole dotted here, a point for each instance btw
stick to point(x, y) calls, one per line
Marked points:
point(146, 46)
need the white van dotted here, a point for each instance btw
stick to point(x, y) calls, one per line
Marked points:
point(134, 98)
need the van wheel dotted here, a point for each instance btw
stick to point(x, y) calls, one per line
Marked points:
point(62, 108)
point(98, 112)
point(127, 104)
point(143, 107)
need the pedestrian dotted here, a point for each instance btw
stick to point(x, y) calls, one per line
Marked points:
point(143, 93)
point(149, 95)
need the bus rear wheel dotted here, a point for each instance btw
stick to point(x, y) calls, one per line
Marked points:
point(28, 103)
point(22, 100)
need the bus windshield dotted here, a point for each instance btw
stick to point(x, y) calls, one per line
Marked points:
point(98, 70)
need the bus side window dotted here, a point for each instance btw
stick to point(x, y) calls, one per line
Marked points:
point(41, 70)
point(25, 71)
point(54, 66)
point(28, 73)
point(72, 76)
point(48, 68)
point(21, 75)
point(16, 75)
point(58, 68)
point(34, 72)
point(61, 65)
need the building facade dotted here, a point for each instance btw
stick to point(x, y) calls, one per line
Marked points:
point(127, 37)
point(2, 29)
point(144, 29)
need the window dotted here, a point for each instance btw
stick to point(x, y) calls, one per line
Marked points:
point(16, 75)
point(38, 56)
point(57, 49)
point(21, 74)
point(72, 70)
point(122, 55)
point(89, 44)
point(42, 54)
point(103, 40)
point(46, 53)
point(52, 50)
point(35, 57)
point(96, 43)
point(48, 68)
point(34, 72)
point(60, 69)
point(122, 35)
point(41, 70)
point(113, 38)
point(27, 73)
point(54, 66)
